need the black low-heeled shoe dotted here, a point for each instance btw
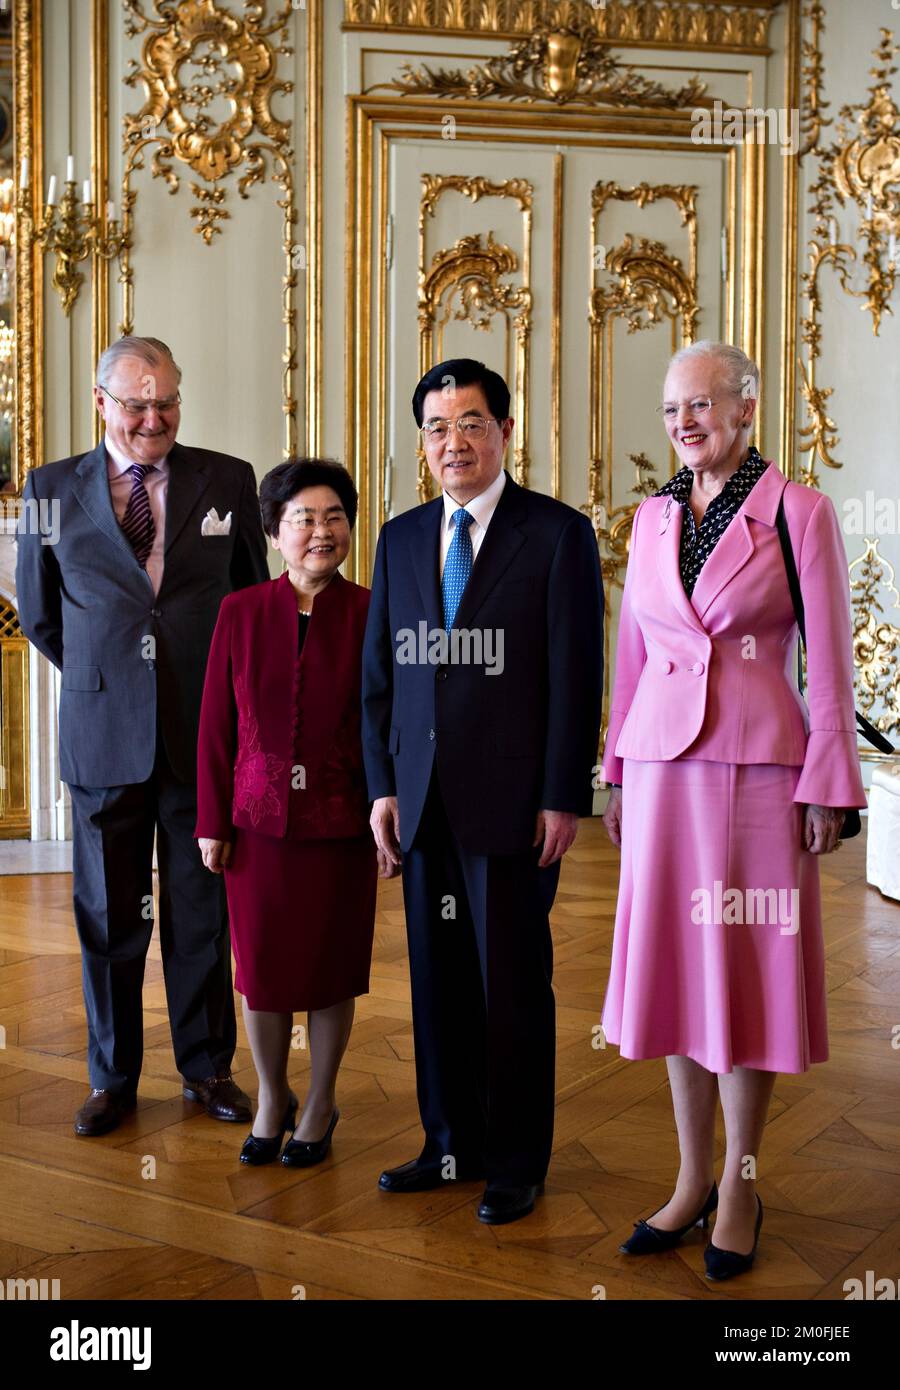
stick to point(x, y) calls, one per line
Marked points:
point(303, 1153)
point(649, 1240)
point(724, 1264)
point(258, 1151)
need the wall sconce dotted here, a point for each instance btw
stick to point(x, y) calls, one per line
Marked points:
point(71, 230)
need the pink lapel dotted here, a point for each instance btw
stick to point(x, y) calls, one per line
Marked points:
point(670, 522)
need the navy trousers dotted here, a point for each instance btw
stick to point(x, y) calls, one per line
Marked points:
point(484, 1019)
point(113, 830)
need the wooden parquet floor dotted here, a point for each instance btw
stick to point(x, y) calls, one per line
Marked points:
point(90, 1212)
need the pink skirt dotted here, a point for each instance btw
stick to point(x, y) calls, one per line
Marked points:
point(718, 952)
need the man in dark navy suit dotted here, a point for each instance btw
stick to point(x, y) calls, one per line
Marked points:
point(482, 685)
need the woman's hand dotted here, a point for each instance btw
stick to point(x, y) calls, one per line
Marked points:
point(216, 854)
point(612, 816)
point(822, 828)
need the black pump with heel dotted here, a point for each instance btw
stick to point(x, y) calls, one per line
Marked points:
point(258, 1151)
point(724, 1264)
point(649, 1240)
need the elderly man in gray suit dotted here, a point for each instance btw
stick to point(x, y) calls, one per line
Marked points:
point(121, 593)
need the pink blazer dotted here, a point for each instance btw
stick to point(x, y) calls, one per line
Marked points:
point(714, 676)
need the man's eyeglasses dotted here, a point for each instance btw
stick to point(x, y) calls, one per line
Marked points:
point(700, 405)
point(142, 407)
point(467, 427)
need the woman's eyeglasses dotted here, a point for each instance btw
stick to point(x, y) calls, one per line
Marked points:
point(700, 405)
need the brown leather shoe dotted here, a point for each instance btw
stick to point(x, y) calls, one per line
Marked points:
point(223, 1099)
point(103, 1111)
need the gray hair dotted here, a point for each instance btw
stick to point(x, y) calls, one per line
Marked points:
point(150, 350)
point(741, 372)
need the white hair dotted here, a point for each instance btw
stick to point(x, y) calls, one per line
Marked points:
point(741, 372)
point(150, 350)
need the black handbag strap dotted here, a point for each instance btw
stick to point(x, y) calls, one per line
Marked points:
point(868, 731)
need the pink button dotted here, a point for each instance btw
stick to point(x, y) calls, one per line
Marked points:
point(667, 667)
point(698, 668)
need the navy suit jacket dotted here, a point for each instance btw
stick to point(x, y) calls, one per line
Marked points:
point(506, 745)
point(129, 657)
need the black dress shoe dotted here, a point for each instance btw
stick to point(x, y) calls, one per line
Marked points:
point(650, 1240)
point(724, 1264)
point(221, 1096)
point(502, 1204)
point(104, 1111)
point(261, 1150)
point(416, 1176)
point(303, 1153)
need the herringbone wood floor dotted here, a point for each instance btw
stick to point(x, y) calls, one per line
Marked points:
point(84, 1211)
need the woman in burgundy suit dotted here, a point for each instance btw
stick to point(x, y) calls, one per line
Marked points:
point(282, 805)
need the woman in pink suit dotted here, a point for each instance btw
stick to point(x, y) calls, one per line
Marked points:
point(282, 805)
point(728, 787)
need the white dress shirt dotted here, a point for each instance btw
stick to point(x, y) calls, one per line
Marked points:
point(156, 483)
point(480, 509)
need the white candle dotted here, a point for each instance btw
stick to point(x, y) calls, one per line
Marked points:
point(832, 230)
point(892, 248)
point(86, 193)
point(51, 192)
point(70, 168)
point(110, 212)
point(869, 208)
point(23, 172)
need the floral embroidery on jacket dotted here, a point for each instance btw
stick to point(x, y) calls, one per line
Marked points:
point(255, 770)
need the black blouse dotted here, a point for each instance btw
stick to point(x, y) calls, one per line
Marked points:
point(699, 542)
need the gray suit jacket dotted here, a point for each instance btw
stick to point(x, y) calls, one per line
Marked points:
point(130, 660)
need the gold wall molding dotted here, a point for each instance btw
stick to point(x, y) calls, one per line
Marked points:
point(99, 180)
point(861, 168)
point(15, 773)
point(741, 27)
point(233, 57)
point(649, 286)
point(876, 641)
point(315, 174)
point(561, 65)
point(812, 116)
point(373, 125)
point(29, 308)
point(466, 282)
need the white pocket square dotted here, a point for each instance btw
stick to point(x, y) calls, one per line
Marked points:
point(212, 526)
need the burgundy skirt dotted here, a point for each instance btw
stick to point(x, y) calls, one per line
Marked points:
point(302, 919)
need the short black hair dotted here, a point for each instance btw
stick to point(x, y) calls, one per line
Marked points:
point(463, 371)
point(287, 479)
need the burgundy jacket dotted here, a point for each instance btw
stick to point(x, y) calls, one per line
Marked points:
point(278, 734)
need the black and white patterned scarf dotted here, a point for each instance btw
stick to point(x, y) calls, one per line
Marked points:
point(699, 542)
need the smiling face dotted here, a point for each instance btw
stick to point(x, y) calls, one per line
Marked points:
point(464, 467)
point(313, 534)
point(706, 439)
point(143, 438)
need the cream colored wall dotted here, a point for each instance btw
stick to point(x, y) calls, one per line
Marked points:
point(862, 369)
point(220, 306)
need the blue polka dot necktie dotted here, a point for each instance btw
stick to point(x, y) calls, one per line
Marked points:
point(137, 523)
point(457, 566)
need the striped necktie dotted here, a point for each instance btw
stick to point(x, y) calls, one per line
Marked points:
point(457, 566)
point(137, 523)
